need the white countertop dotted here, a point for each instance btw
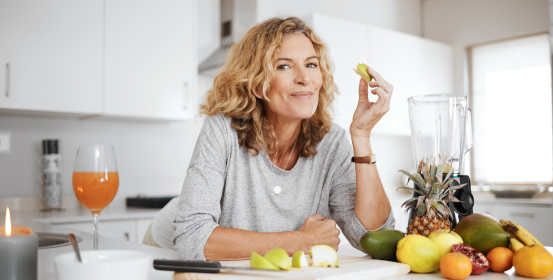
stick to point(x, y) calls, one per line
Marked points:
point(40, 222)
point(546, 202)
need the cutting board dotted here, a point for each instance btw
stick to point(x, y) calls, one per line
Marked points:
point(350, 268)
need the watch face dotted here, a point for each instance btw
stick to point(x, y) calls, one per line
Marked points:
point(373, 159)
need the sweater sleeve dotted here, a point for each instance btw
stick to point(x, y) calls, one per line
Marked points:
point(199, 207)
point(342, 197)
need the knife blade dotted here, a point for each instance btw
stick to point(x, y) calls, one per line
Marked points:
point(197, 266)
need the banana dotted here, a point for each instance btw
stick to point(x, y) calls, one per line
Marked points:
point(520, 233)
point(515, 245)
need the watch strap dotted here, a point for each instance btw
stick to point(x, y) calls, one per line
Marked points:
point(370, 159)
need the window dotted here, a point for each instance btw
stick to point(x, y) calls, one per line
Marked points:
point(511, 106)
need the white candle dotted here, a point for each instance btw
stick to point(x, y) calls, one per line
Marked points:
point(18, 252)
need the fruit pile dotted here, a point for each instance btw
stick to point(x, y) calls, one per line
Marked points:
point(278, 259)
point(478, 243)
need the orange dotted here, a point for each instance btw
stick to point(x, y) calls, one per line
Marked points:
point(455, 266)
point(533, 261)
point(501, 259)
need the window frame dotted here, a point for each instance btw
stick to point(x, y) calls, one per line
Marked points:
point(468, 84)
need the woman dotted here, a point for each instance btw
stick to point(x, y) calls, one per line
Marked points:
point(269, 168)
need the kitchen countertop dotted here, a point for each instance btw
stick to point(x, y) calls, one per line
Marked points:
point(41, 222)
point(530, 201)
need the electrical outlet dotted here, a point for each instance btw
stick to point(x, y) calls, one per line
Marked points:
point(5, 142)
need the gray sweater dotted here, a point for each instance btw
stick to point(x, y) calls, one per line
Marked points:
point(227, 186)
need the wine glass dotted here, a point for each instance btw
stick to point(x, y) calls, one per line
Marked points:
point(95, 180)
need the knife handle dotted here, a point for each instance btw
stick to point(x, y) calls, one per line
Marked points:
point(187, 266)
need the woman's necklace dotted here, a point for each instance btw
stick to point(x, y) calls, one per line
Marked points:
point(277, 189)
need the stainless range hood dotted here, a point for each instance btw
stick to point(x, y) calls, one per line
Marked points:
point(237, 17)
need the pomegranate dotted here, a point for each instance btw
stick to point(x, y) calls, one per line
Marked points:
point(479, 262)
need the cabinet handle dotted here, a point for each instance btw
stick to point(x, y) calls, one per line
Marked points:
point(520, 214)
point(127, 236)
point(186, 96)
point(7, 80)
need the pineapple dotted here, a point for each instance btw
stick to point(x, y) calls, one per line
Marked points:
point(431, 206)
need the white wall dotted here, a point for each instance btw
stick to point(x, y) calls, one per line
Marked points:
point(466, 22)
point(152, 157)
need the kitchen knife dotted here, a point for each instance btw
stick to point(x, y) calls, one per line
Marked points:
point(197, 266)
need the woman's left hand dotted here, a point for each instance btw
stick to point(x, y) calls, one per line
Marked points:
point(368, 113)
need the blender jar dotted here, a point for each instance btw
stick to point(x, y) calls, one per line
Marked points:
point(440, 126)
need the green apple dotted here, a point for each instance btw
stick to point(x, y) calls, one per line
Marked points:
point(444, 239)
point(280, 258)
point(310, 254)
point(324, 256)
point(259, 262)
point(361, 70)
point(299, 260)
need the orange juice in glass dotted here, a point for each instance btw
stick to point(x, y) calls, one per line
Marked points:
point(95, 180)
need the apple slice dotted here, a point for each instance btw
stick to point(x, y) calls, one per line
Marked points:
point(324, 256)
point(361, 70)
point(299, 260)
point(259, 262)
point(280, 258)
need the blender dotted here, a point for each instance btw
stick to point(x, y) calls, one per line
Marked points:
point(441, 125)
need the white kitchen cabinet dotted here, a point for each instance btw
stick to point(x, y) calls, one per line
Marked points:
point(535, 218)
point(132, 230)
point(142, 226)
point(117, 58)
point(150, 59)
point(413, 65)
point(51, 56)
point(123, 230)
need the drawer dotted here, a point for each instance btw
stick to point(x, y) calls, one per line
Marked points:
point(124, 229)
point(537, 220)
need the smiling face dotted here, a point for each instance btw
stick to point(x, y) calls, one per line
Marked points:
point(294, 92)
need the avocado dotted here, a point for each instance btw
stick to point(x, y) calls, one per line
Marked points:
point(381, 244)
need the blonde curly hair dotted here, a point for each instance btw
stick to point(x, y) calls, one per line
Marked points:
point(250, 67)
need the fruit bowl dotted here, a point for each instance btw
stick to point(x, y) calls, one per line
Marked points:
point(104, 264)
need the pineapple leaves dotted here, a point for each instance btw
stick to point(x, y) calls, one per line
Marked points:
point(421, 210)
point(426, 174)
point(439, 178)
point(411, 189)
point(434, 191)
point(454, 199)
point(412, 177)
point(420, 200)
point(419, 181)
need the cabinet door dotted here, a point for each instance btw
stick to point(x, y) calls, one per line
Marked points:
point(149, 66)
point(413, 65)
point(142, 226)
point(347, 47)
point(54, 52)
point(537, 220)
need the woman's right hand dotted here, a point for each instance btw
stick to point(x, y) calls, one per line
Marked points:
point(317, 230)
